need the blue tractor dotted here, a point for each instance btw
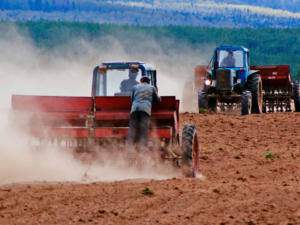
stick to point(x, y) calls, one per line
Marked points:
point(230, 84)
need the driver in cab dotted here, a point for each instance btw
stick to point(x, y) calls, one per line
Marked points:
point(128, 84)
point(229, 60)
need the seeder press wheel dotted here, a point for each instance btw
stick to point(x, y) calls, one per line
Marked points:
point(277, 101)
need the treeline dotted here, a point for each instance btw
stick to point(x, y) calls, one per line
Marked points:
point(267, 46)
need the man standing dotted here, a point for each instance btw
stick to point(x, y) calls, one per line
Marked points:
point(142, 96)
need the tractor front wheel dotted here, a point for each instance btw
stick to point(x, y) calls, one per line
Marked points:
point(246, 102)
point(190, 151)
point(255, 86)
point(212, 104)
point(202, 106)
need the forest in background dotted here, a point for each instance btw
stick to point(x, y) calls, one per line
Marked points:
point(267, 46)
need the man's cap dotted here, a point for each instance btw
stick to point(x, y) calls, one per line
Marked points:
point(145, 78)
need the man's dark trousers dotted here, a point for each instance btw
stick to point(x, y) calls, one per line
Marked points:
point(139, 127)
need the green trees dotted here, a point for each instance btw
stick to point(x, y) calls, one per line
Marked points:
point(267, 46)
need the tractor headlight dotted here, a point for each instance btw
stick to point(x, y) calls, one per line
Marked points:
point(207, 82)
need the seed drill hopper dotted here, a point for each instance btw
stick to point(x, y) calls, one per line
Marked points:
point(87, 124)
point(278, 88)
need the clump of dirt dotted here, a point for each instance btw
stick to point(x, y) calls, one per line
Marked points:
point(251, 166)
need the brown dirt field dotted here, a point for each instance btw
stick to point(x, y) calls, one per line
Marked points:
point(241, 186)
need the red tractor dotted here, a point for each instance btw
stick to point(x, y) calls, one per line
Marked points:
point(87, 123)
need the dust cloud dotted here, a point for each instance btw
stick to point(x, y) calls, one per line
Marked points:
point(67, 71)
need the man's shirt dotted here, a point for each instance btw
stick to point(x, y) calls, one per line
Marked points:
point(142, 97)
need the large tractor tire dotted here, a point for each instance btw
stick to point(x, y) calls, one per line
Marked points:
point(246, 102)
point(296, 96)
point(205, 104)
point(212, 104)
point(202, 101)
point(255, 86)
point(190, 151)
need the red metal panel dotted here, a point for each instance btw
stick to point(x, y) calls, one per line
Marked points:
point(105, 115)
point(52, 111)
point(125, 115)
point(102, 132)
point(163, 114)
point(49, 119)
point(123, 103)
point(60, 115)
point(114, 104)
point(51, 103)
point(274, 76)
point(111, 132)
point(121, 132)
point(52, 132)
point(48, 113)
point(115, 111)
point(167, 103)
point(177, 110)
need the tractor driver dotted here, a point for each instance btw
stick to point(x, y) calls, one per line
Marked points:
point(229, 60)
point(142, 96)
point(127, 85)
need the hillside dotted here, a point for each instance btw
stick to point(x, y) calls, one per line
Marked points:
point(256, 14)
point(292, 5)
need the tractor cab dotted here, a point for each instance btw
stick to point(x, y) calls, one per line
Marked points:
point(118, 78)
point(231, 57)
point(230, 68)
point(230, 83)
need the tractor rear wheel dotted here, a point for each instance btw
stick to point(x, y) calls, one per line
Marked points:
point(255, 86)
point(296, 95)
point(190, 151)
point(246, 102)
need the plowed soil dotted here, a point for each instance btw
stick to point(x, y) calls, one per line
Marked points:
point(251, 169)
